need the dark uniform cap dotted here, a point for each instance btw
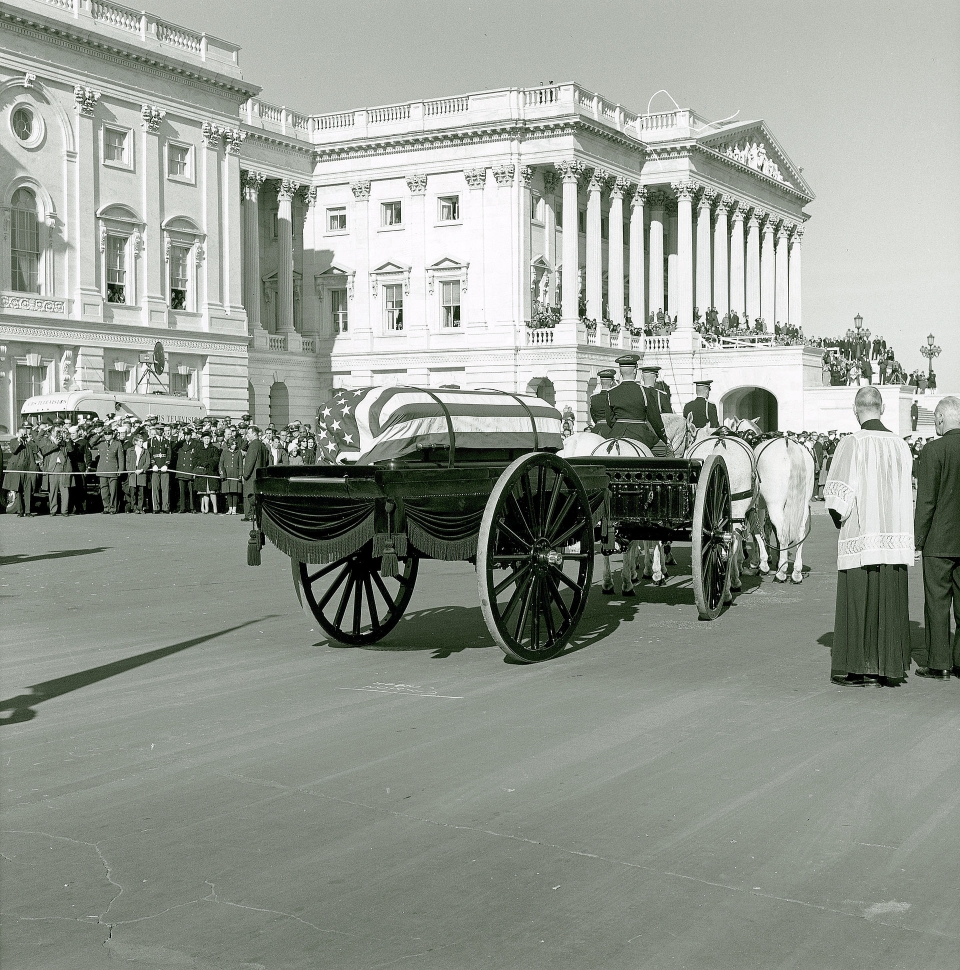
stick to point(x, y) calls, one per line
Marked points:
point(650, 369)
point(703, 383)
point(609, 373)
point(628, 360)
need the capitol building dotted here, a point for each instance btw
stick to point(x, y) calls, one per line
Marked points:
point(516, 238)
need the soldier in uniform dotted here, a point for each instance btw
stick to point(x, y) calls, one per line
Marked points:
point(600, 417)
point(634, 413)
point(651, 378)
point(704, 413)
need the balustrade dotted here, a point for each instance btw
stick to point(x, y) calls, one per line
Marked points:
point(276, 342)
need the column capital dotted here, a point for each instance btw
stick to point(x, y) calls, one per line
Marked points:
point(86, 99)
point(287, 190)
point(598, 180)
point(417, 183)
point(476, 178)
point(685, 190)
point(738, 211)
point(707, 197)
point(308, 197)
point(796, 234)
point(724, 202)
point(570, 170)
point(526, 176)
point(504, 173)
point(639, 197)
point(783, 232)
point(234, 138)
point(152, 116)
point(361, 189)
point(251, 182)
point(550, 181)
point(657, 199)
point(620, 187)
point(212, 134)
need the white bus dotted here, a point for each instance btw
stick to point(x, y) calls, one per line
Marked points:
point(72, 405)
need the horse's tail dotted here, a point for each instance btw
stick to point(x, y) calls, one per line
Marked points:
point(796, 511)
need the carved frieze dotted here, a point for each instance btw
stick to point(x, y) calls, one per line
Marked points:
point(152, 116)
point(86, 99)
point(33, 304)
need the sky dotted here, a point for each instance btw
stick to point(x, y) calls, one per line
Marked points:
point(863, 96)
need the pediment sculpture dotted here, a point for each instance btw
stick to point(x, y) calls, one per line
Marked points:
point(754, 155)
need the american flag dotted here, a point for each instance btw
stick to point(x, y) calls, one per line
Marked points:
point(337, 429)
point(373, 424)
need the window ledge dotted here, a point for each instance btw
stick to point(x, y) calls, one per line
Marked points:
point(180, 179)
point(120, 166)
point(395, 228)
point(448, 222)
point(337, 232)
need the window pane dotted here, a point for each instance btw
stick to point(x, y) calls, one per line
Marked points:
point(177, 160)
point(393, 306)
point(29, 384)
point(450, 208)
point(116, 269)
point(116, 381)
point(115, 145)
point(24, 243)
point(390, 213)
point(336, 220)
point(338, 305)
point(450, 303)
point(179, 270)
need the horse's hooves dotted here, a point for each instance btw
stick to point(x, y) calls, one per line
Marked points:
point(660, 582)
point(736, 589)
point(764, 570)
point(796, 581)
point(671, 561)
point(777, 578)
point(750, 570)
point(608, 592)
point(628, 593)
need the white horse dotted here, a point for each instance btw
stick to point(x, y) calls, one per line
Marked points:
point(742, 471)
point(786, 477)
point(587, 444)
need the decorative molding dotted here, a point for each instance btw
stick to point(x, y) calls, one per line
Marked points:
point(33, 304)
point(234, 138)
point(152, 116)
point(707, 198)
point(598, 180)
point(738, 211)
point(797, 234)
point(287, 190)
point(685, 190)
point(103, 238)
point(476, 178)
point(212, 134)
point(361, 189)
point(783, 233)
point(550, 181)
point(29, 80)
point(570, 170)
point(199, 254)
point(526, 176)
point(504, 173)
point(137, 239)
point(86, 337)
point(658, 200)
point(417, 183)
point(447, 268)
point(621, 187)
point(86, 99)
point(251, 182)
point(640, 196)
point(390, 273)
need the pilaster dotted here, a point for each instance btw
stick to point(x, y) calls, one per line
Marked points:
point(550, 232)
point(288, 189)
point(721, 271)
point(598, 181)
point(212, 194)
point(684, 302)
point(155, 301)
point(767, 274)
point(570, 172)
point(361, 325)
point(638, 307)
point(796, 309)
point(89, 297)
point(704, 257)
point(251, 182)
point(737, 278)
point(232, 221)
point(524, 210)
point(415, 325)
point(753, 265)
point(615, 251)
point(781, 306)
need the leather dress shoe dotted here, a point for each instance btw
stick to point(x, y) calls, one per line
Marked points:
point(848, 680)
point(956, 672)
point(932, 673)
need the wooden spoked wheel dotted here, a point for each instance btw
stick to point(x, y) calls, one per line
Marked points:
point(712, 538)
point(535, 557)
point(351, 600)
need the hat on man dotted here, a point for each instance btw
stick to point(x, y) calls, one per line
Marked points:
point(650, 369)
point(608, 373)
point(628, 360)
point(705, 384)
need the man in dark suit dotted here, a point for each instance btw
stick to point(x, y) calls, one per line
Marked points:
point(635, 414)
point(600, 418)
point(937, 537)
point(704, 413)
point(256, 456)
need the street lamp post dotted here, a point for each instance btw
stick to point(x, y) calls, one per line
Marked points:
point(930, 351)
point(858, 336)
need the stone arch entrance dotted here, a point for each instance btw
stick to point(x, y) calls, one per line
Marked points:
point(753, 403)
point(542, 387)
point(279, 404)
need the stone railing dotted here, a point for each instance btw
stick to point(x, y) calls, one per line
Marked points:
point(308, 345)
point(502, 105)
point(277, 342)
point(150, 30)
point(539, 337)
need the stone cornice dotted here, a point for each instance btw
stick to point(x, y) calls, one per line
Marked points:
point(66, 331)
point(95, 44)
point(767, 180)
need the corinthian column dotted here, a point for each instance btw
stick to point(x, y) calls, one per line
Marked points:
point(737, 282)
point(615, 251)
point(721, 278)
point(796, 239)
point(251, 182)
point(570, 172)
point(768, 279)
point(704, 259)
point(657, 204)
point(637, 260)
point(753, 265)
point(781, 307)
point(285, 196)
point(594, 245)
point(684, 301)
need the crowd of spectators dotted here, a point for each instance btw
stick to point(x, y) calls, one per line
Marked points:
point(124, 465)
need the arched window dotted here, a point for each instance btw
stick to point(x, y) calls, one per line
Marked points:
point(24, 243)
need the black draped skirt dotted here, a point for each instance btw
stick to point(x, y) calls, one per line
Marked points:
point(872, 628)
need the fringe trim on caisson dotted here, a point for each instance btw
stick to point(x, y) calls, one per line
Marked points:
point(319, 550)
point(450, 550)
point(388, 547)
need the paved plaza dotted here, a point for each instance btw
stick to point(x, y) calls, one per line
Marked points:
point(193, 777)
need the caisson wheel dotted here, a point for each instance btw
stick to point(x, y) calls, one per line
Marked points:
point(535, 557)
point(350, 599)
point(712, 538)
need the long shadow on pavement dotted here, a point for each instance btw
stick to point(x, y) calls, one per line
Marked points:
point(18, 560)
point(22, 707)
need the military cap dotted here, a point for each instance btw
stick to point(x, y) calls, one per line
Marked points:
point(608, 372)
point(628, 360)
point(703, 383)
point(650, 369)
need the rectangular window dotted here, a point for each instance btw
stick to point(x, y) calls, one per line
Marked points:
point(179, 269)
point(178, 161)
point(537, 208)
point(115, 145)
point(450, 304)
point(337, 219)
point(338, 306)
point(181, 384)
point(29, 384)
point(117, 381)
point(116, 269)
point(450, 208)
point(393, 305)
point(391, 214)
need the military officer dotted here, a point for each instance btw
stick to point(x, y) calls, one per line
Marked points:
point(651, 378)
point(600, 417)
point(704, 413)
point(634, 413)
